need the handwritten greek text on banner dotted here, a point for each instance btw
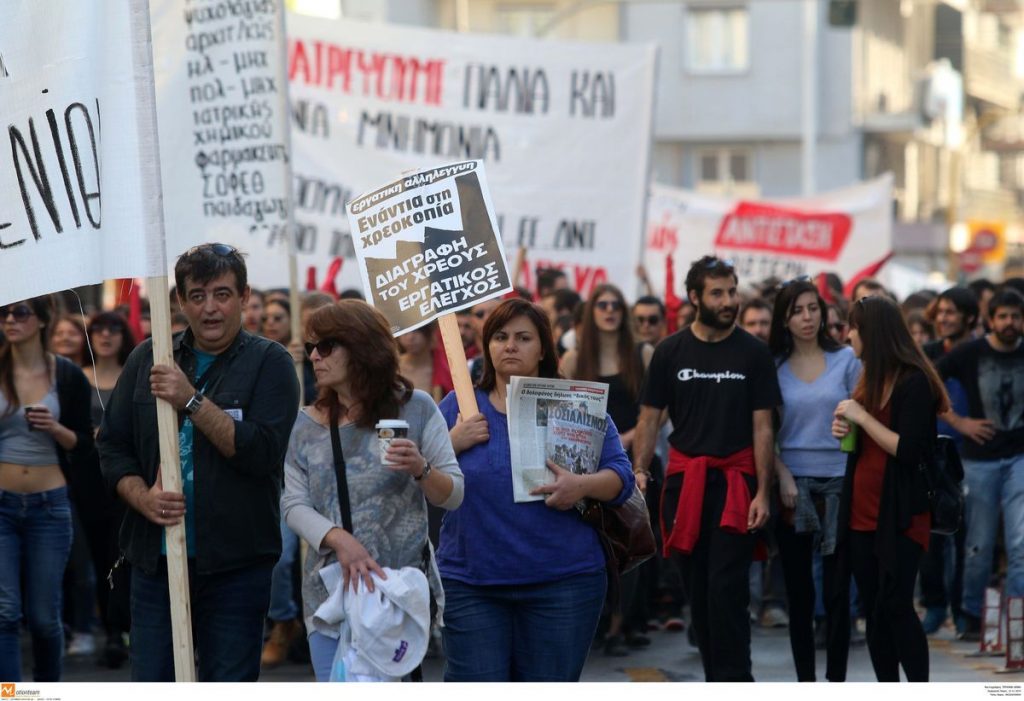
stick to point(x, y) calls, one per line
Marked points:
point(76, 198)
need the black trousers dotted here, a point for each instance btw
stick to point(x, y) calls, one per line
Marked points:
point(797, 553)
point(717, 577)
point(894, 632)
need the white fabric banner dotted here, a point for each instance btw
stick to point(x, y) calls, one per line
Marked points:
point(564, 130)
point(844, 231)
point(221, 99)
point(77, 202)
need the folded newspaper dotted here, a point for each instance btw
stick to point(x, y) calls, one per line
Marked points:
point(559, 420)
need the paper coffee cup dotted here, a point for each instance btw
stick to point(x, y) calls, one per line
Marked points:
point(387, 431)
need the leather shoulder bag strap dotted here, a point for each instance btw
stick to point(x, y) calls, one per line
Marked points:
point(339, 473)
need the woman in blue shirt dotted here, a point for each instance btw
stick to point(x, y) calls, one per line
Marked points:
point(524, 582)
point(815, 373)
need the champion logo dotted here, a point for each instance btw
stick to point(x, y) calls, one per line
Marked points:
point(403, 648)
point(687, 374)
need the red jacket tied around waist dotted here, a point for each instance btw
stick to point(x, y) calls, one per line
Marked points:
point(735, 513)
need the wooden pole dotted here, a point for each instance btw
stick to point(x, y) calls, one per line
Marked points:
point(293, 265)
point(160, 311)
point(457, 363)
point(167, 424)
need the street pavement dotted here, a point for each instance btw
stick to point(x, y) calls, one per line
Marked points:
point(669, 658)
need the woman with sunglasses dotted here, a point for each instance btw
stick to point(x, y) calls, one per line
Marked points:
point(606, 351)
point(355, 359)
point(524, 582)
point(815, 373)
point(44, 428)
point(884, 516)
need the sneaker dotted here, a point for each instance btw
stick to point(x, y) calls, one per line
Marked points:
point(933, 619)
point(675, 625)
point(82, 644)
point(774, 617)
point(276, 650)
point(968, 628)
point(636, 640)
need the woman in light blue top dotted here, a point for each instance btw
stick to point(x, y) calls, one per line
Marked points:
point(814, 372)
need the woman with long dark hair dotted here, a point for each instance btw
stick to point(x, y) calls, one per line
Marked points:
point(112, 342)
point(607, 351)
point(355, 359)
point(524, 582)
point(884, 507)
point(815, 373)
point(44, 425)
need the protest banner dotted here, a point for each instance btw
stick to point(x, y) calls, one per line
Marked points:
point(79, 104)
point(72, 210)
point(564, 129)
point(428, 246)
point(844, 231)
point(222, 100)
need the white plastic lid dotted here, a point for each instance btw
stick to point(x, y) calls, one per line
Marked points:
point(392, 423)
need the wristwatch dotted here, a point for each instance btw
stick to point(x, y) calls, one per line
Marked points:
point(193, 404)
point(426, 471)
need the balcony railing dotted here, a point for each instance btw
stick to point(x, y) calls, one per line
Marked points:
point(988, 76)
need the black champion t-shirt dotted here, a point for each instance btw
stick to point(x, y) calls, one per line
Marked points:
point(994, 382)
point(711, 390)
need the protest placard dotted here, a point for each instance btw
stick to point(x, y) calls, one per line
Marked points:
point(844, 231)
point(77, 204)
point(428, 245)
point(564, 128)
point(222, 100)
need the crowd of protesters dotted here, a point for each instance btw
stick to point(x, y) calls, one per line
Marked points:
point(726, 409)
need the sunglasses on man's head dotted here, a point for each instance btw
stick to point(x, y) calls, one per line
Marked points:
point(324, 348)
point(20, 312)
point(726, 262)
point(608, 305)
point(652, 320)
point(221, 249)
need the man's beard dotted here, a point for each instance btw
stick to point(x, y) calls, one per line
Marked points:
point(712, 319)
point(1010, 335)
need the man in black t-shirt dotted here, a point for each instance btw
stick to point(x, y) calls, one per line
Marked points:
point(991, 370)
point(719, 386)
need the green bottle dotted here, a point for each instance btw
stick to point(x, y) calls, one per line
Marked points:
point(848, 444)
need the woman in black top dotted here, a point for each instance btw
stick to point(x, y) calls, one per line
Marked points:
point(884, 518)
point(606, 351)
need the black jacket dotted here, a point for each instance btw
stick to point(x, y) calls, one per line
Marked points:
point(237, 509)
point(904, 494)
point(73, 396)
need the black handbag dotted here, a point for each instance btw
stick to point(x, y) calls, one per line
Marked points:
point(942, 474)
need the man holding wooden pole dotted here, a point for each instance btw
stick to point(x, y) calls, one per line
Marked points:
point(237, 397)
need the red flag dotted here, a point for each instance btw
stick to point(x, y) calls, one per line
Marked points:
point(869, 271)
point(672, 302)
point(330, 279)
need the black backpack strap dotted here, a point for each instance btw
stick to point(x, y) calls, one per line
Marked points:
point(339, 473)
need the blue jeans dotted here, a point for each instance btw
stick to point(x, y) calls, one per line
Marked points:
point(282, 593)
point(35, 542)
point(528, 633)
point(993, 485)
point(228, 609)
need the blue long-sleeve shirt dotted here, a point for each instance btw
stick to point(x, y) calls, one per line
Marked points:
point(490, 539)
